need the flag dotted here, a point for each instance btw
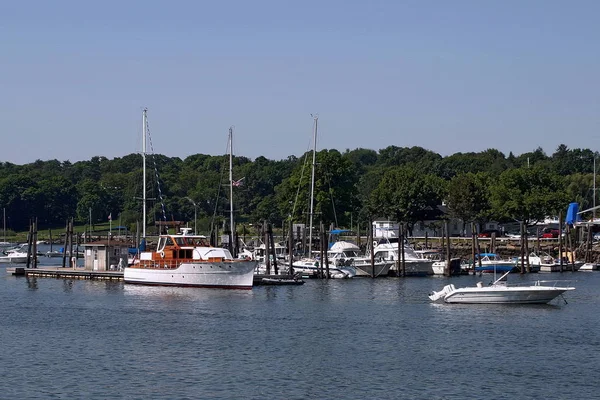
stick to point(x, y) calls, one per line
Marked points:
point(238, 182)
point(110, 217)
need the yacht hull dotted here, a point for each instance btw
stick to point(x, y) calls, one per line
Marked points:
point(227, 274)
point(504, 295)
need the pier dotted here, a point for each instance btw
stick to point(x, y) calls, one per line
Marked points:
point(80, 273)
point(67, 273)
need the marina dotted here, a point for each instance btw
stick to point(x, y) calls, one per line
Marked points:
point(96, 331)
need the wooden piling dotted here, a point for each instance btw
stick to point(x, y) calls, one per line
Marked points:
point(402, 247)
point(560, 239)
point(447, 247)
point(371, 245)
point(291, 249)
point(272, 248)
point(473, 245)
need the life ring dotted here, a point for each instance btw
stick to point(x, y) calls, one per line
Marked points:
point(162, 254)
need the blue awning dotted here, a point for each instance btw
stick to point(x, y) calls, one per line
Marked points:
point(572, 213)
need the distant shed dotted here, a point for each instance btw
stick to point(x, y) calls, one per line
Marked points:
point(104, 255)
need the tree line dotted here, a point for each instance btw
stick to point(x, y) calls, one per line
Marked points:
point(399, 183)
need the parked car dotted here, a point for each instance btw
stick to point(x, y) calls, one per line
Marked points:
point(550, 233)
point(488, 233)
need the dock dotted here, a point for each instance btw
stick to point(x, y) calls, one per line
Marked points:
point(80, 273)
point(66, 273)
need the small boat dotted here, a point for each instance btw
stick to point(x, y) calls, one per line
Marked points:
point(491, 262)
point(310, 267)
point(499, 292)
point(439, 262)
point(14, 257)
point(189, 260)
point(590, 267)
point(347, 254)
point(275, 281)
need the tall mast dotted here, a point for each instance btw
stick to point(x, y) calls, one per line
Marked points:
point(231, 182)
point(312, 184)
point(4, 218)
point(144, 172)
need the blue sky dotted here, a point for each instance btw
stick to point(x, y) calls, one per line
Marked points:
point(450, 76)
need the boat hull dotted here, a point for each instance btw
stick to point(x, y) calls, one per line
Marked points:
point(379, 269)
point(226, 274)
point(414, 268)
point(505, 295)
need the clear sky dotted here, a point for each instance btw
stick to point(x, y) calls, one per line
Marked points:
point(450, 76)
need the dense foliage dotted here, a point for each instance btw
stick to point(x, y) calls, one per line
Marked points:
point(405, 184)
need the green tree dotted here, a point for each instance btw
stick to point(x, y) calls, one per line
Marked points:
point(408, 195)
point(468, 197)
point(528, 194)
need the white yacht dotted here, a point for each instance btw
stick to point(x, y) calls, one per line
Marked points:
point(188, 260)
point(387, 249)
point(347, 254)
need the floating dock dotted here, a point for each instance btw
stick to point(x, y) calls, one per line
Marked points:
point(80, 273)
point(67, 273)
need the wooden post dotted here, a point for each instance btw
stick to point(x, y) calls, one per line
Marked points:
point(473, 246)
point(77, 240)
point(560, 240)
point(370, 238)
point(272, 248)
point(526, 241)
point(571, 249)
point(426, 240)
point(588, 245)
point(266, 242)
point(537, 241)
point(403, 263)
point(447, 266)
point(291, 249)
point(64, 257)
point(493, 242)
point(34, 243)
point(325, 251)
point(321, 257)
point(522, 250)
point(478, 253)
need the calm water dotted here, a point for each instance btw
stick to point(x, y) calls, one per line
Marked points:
point(353, 339)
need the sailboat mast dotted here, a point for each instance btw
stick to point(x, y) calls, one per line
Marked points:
point(312, 184)
point(231, 181)
point(144, 173)
point(594, 194)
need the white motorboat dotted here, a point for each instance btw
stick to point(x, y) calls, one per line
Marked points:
point(188, 260)
point(590, 267)
point(387, 249)
point(347, 254)
point(499, 292)
point(311, 267)
point(14, 257)
point(439, 262)
point(491, 262)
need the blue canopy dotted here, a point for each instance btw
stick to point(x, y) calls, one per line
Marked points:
point(339, 231)
point(572, 213)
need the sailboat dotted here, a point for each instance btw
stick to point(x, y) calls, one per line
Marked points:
point(183, 259)
point(311, 266)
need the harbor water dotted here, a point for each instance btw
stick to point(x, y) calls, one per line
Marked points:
point(337, 339)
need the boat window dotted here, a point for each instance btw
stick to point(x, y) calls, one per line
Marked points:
point(169, 241)
point(180, 241)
